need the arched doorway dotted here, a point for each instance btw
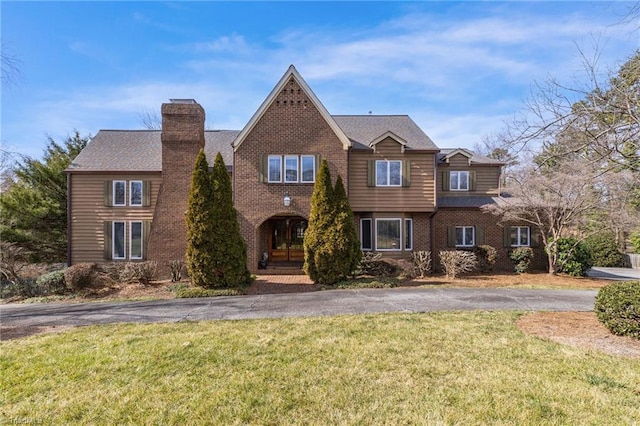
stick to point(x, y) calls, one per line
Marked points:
point(286, 236)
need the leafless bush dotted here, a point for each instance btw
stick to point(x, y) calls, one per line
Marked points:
point(373, 265)
point(12, 261)
point(142, 272)
point(176, 266)
point(421, 262)
point(456, 262)
point(80, 275)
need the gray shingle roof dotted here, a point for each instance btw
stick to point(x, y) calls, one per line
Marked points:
point(141, 150)
point(478, 159)
point(363, 129)
point(467, 201)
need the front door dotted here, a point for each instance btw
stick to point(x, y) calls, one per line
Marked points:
point(287, 236)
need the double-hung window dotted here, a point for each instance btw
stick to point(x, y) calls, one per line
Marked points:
point(297, 169)
point(118, 240)
point(291, 168)
point(388, 234)
point(308, 168)
point(275, 168)
point(465, 236)
point(135, 193)
point(520, 236)
point(119, 192)
point(459, 181)
point(388, 173)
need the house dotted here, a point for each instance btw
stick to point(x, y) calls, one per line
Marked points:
point(128, 190)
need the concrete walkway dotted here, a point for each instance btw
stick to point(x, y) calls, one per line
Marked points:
point(333, 302)
point(618, 274)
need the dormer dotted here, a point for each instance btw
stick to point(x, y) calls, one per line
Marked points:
point(389, 135)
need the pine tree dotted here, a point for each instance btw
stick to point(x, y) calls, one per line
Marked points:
point(316, 249)
point(229, 248)
point(348, 253)
point(200, 224)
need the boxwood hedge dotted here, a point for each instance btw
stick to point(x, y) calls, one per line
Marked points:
point(618, 308)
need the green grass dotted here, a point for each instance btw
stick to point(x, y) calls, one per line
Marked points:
point(440, 368)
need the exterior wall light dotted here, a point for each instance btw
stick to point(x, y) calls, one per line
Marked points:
point(287, 199)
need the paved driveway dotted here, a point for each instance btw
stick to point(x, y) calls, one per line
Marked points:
point(333, 302)
point(620, 274)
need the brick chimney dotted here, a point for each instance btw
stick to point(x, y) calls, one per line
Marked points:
point(182, 138)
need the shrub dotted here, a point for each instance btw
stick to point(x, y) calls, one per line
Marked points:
point(22, 287)
point(422, 262)
point(176, 266)
point(53, 282)
point(142, 272)
point(635, 241)
point(487, 256)
point(456, 262)
point(604, 251)
point(521, 257)
point(618, 308)
point(573, 257)
point(80, 275)
point(373, 265)
point(189, 292)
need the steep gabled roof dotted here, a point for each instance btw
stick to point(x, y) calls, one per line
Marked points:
point(141, 151)
point(363, 130)
point(292, 73)
point(446, 154)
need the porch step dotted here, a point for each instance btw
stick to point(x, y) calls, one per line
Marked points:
point(280, 271)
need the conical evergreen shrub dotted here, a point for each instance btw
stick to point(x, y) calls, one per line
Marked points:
point(200, 221)
point(229, 248)
point(348, 253)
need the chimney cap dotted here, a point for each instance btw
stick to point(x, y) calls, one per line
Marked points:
point(183, 101)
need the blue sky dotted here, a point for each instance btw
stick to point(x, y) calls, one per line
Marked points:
point(459, 69)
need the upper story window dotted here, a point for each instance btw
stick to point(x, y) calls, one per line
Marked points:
point(519, 236)
point(297, 169)
point(388, 173)
point(459, 181)
point(465, 236)
point(119, 193)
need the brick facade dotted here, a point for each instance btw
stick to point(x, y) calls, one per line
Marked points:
point(182, 138)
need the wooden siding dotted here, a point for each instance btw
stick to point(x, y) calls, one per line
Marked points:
point(418, 197)
point(88, 212)
point(487, 177)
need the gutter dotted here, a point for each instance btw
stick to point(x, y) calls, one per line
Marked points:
point(69, 183)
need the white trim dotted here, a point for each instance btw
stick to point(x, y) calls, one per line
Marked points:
point(457, 151)
point(113, 239)
point(451, 180)
point(131, 182)
point(400, 223)
point(313, 177)
point(113, 190)
point(473, 236)
point(388, 177)
point(291, 73)
point(297, 168)
point(519, 236)
point(408, 234)
point(279, 157)
point(370, 233)
point(131, 240)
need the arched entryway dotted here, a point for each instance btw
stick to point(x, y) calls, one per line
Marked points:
point(285, 238)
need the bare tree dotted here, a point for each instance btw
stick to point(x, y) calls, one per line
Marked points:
point(151, 119)
point(11, 72)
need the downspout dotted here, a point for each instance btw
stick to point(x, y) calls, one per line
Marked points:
point(69, 180)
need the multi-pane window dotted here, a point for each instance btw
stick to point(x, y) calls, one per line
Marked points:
point(408, 234)
point(388, 234)
point(135, 193)
point(118, 240)
point(388, 173)
point(119, 193)
point(275, 168)
point(297, 168)
point(465, 236)
point(520, 236)
point(365, 234)
point(291, 168)
point(459, 181)
point(308, 168)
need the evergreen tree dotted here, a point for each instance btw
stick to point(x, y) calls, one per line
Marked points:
point(316, 249)
point(200, 226)
point(229, 248)
point(33, 207)
point(348, 253)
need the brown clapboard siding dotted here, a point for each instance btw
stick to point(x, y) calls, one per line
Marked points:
point(487, 177)
point(88, 212)
point(418, 197)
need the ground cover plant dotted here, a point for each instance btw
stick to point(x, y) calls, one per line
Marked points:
point(440, 368)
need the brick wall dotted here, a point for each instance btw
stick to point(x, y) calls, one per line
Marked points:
point(290, 125)
point(493, 235)
point(182, 139)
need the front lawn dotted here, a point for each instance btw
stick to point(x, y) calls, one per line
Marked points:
point(438, 368)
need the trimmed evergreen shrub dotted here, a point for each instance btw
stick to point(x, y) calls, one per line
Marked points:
point(200, 226)
point(521, 258)
point(573, 257)
point(617, 306)
point(80, 275)
point(487, 256)
point(345, 242)
point(53, 282)
point(604, 251)
point(229, 253)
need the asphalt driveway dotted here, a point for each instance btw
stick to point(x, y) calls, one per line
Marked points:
point(333, 302)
